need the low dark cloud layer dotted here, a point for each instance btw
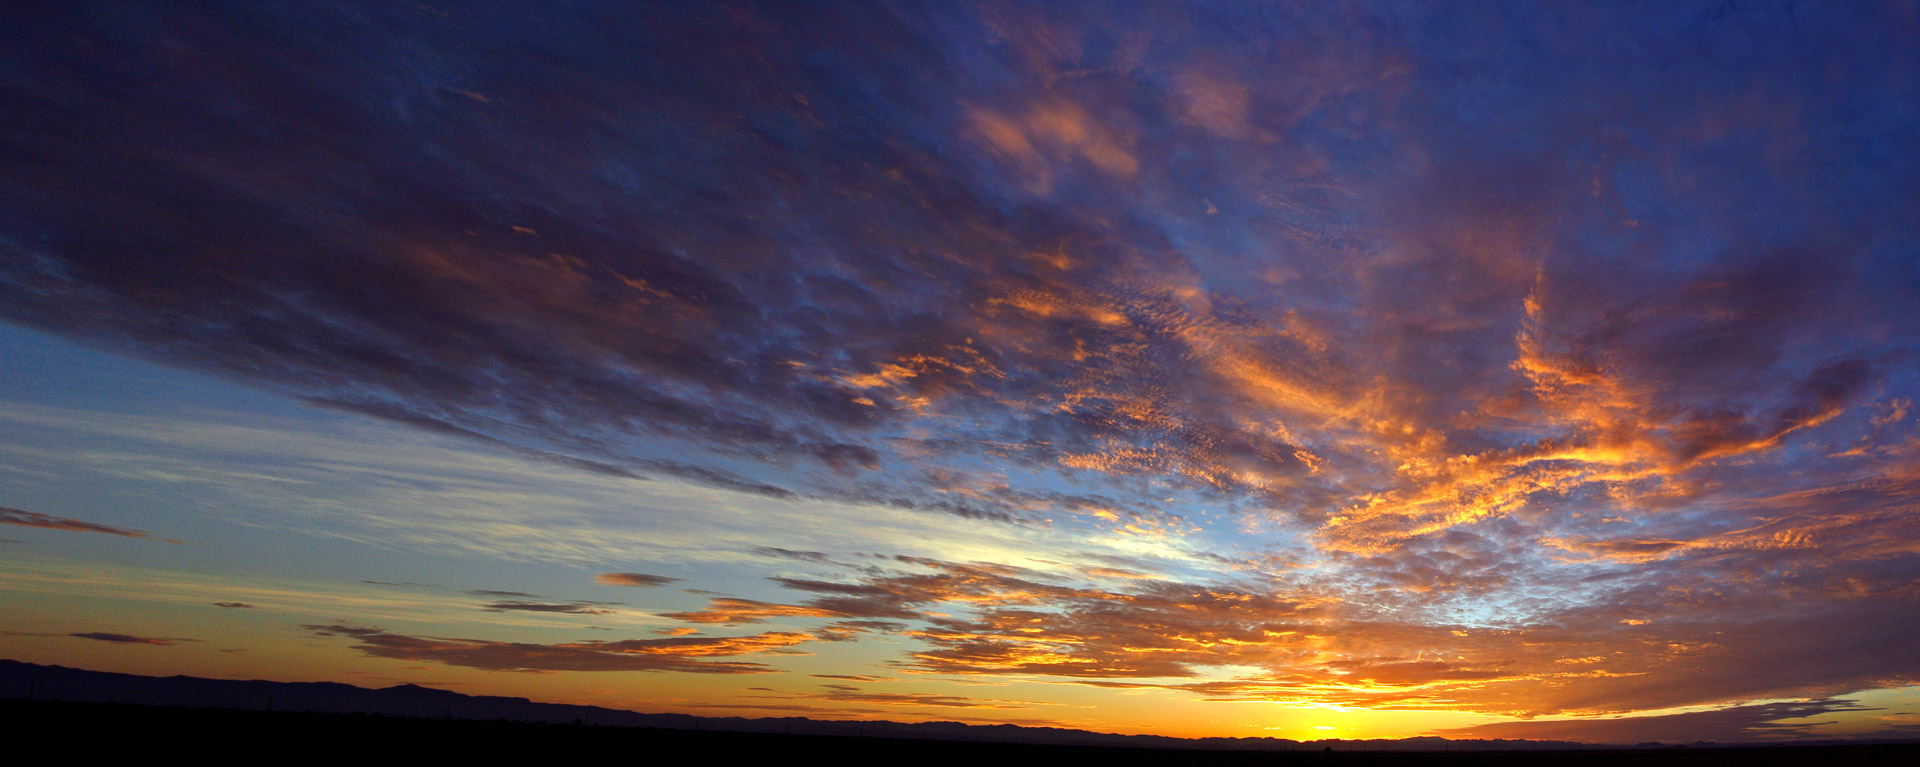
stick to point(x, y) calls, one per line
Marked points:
point(849, 694)
point(132, 639)
point(569, 608)
point(641, 580)
point(684, 654)
point(24, 518)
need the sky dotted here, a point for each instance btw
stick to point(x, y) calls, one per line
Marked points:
point(1306, 370)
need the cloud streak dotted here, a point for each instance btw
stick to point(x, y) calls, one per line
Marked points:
point(129, 639)
point(638, 580)
point(682, 654)
point(568, 608)
point(23, 518)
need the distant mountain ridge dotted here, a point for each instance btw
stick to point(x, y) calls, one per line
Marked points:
point(23, 680)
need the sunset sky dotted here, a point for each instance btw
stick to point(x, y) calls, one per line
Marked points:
point(1306, 369)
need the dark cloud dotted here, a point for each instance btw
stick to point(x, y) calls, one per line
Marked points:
point(570, 608)
point(686, 654)
point(9, 516)
point(851, 630)
point(234, 605)
point(731, 611)
point(844, 694)
point(106, 636)
point(633, 579)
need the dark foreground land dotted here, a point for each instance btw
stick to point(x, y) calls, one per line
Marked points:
point(102, 730)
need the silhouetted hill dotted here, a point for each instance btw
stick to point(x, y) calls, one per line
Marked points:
point(18, 679)
point(50, 685)
point(116, 732)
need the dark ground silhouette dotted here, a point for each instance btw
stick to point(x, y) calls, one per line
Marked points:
point(99, 730)
point(97, 713)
